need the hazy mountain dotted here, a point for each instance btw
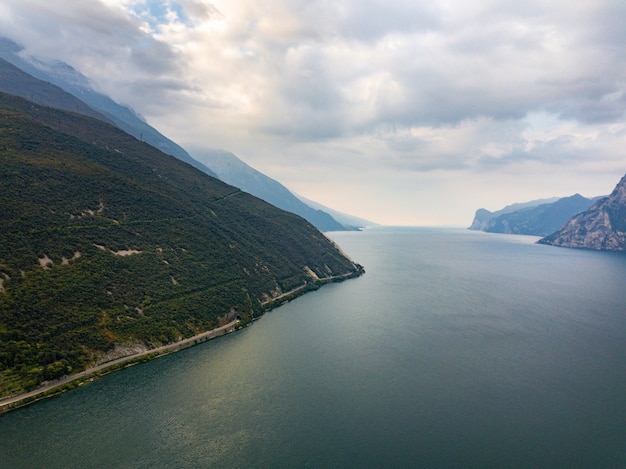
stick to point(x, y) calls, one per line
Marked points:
point(68, 79)
point(18, 83)
point(482, 216)
point(230, 169)
point(105, 240)
point(540, 220)
point(602, 226)
point(349, 221)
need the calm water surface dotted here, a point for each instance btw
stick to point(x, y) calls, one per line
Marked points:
point(456, 349)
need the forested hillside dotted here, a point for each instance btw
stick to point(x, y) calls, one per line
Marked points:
point(105, 240)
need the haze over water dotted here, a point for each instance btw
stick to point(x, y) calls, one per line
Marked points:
point(456, 349)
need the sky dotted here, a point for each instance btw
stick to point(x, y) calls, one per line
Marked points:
point(403, 112)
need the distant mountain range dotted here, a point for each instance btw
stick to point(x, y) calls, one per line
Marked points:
point(349, 221)
point(61, 86)
point(539, 217)
point(575, 221)
point(482, 216)
point(602, 226)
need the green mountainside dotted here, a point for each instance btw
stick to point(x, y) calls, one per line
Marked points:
point(105, 240)
point(57, 84)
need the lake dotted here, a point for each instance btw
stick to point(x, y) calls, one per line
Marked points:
point(455, 349)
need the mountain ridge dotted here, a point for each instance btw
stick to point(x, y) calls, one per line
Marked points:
point(71, 81)
point(66, 78)
point(232, 170)
point(351, 222)
point(16, 82)
point(601, 227)
point(538, 218)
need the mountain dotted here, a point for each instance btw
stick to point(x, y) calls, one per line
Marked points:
point(106, 243)
point(71, 81)
point(56, 76)
point(230, 169)
point(481, 219)
point(538, 220)
point(482, 216)
point(349, 221)
point(16, 82)
point(602, 226)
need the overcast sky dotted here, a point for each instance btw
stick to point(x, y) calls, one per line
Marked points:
point(404, 112)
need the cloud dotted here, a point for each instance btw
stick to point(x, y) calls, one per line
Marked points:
point(304, 89)
point(108, 44)
point(371, 20)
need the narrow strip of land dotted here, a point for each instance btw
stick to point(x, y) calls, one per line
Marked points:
point(307, 284)
point(155, 352)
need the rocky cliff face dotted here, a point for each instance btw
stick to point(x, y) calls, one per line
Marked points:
point(481, 219)
point(602, 226)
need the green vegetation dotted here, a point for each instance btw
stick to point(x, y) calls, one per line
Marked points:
point(104, 240)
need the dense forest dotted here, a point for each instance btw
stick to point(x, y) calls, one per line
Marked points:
point(105, 240)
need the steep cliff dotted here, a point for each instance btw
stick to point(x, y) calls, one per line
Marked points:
point(602, 226)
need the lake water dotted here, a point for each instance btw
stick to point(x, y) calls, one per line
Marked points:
point(456, 349)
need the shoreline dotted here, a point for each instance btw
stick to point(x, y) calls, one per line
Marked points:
point(67, 383)
point(70, 382)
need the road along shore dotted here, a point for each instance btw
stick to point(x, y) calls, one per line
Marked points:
point(66, 383)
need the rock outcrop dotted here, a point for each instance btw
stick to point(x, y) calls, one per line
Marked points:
point(601, 227)
point(481, 219)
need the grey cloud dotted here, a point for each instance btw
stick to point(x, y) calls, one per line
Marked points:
point(156, 57)
point(414, 155)
point(560, 151)
point(159, 96)
point(306, 102)
point(152, 85)
point(200, 10)
point(68, 22)
point(607, 107)
point(83, 33)
point(503, 62)
point(425, 162)
point(302, 125)
point(489, 60)
point(368, 20)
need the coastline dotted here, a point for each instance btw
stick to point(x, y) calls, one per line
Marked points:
point(68, 383)
point(276, 301)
